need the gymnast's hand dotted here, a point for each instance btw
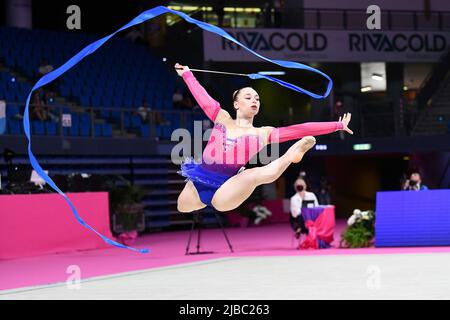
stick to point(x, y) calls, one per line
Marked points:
point(345, 119)
point(181, 69)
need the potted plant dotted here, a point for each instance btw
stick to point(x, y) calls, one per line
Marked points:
point(360, 232)
point(127, 211)
point(252, 210)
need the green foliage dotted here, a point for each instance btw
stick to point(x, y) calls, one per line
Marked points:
point(125, 203)
point(361, 231)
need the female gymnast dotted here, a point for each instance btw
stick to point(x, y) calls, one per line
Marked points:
point(220, 180)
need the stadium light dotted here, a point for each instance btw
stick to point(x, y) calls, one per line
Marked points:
point(362, 147)
point(321, 147)
point(377, 76)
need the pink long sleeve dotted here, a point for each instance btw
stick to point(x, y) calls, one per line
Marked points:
point(210, 106)
point(298, 131)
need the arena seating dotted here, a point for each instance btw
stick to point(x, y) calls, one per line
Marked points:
point(122, 80)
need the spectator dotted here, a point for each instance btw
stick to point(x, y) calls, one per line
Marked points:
point(182, 101)
point(177, 98)
point(299, 200)
point(44, 68)
point(144, 111)
point(135, 36)
point(338, 109)
point(160, 120)
point(324, 192)
point(2, 121)
point(259, 20)
point(278, 7)
point(49, 98)
point(39, 111)
point(52, 112)
point(414, 183)
point(267, 15)
point(220, 12)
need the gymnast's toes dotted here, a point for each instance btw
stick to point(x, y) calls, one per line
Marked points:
point(301, 147)
point(307, 143)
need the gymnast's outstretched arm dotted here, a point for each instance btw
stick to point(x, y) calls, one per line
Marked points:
point(210, 106)
point(297, 131)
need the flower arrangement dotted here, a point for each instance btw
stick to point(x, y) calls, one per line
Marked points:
point(126, 209)
point(360, 232)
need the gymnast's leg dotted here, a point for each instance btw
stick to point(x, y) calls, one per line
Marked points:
point(189, 200)
point(239, 187)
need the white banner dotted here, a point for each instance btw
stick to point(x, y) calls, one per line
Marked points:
point(66, 120)
point(327, 45)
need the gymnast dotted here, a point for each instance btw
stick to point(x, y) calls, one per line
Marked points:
point(220, 180)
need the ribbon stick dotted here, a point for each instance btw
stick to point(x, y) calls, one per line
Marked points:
point(91, 48)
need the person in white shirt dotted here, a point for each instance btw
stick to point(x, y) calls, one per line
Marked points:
point(45, 68)
point(297, 201)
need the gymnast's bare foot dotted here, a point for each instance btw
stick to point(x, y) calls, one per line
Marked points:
point(299, 149)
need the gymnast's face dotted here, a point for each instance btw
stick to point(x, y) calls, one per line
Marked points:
point(246, 100)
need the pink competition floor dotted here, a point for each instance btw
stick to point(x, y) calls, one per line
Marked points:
point(168, 249)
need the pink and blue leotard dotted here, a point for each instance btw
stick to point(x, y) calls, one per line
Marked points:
point(224, 156)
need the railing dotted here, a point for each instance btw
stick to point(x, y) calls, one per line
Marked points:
point(154, 117)
point(371, 119)
point(379, 118)
point(342, 19)
point(433, 80)
point(430, 86)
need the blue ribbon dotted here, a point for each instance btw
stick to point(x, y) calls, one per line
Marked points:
point(91, 48)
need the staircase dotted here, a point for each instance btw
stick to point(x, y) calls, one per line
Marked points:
point(435, 118)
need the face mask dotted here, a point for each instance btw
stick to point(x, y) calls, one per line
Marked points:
point(300, 188)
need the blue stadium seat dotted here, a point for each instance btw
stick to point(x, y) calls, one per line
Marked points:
point(105, 114)
point(11, 111)
point(84, 129)
point(168, 104)
point(75, 129)
point(126, 120)
point(115, 116)
point(158, 130)
point(85, 118)
point(38, 127)
point(14, 126)
point(144, 131)
point(107, 130)
point(51, 128)
point(98, 129)
point(120, 80)
point(85, 100)
point(75, 119)
point(135, 121)
point(167, 132)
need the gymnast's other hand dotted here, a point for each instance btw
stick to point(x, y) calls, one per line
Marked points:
point(345, 119)
point(181, 69)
